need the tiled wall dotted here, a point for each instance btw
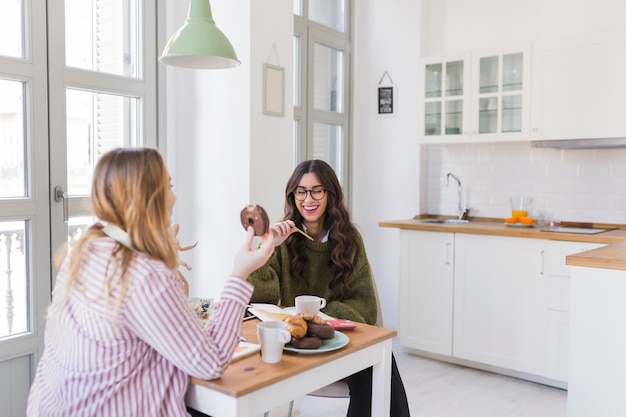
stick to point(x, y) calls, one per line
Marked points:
point(570, 185)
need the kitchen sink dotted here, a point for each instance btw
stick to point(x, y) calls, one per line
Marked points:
point(578, 230)
point(443, 221)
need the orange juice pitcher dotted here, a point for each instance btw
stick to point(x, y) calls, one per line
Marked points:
point(520, 206)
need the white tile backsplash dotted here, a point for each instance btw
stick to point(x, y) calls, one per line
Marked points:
point(587, 185)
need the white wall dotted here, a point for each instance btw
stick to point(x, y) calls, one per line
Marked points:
point(271, 137)
point(570, 185)
point(215, 124)
point(451, 26)
point(386, 158)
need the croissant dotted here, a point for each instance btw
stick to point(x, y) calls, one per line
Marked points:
point(297, 326)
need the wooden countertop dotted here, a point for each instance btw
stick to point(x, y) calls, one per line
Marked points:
point(496, 227)
point(608, 257)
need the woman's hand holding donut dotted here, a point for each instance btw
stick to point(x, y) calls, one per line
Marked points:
point(248, 259)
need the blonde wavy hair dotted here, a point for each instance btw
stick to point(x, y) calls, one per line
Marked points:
point(129, 190)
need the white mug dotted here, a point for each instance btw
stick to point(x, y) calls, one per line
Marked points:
point(309, 304)
point(272, 336)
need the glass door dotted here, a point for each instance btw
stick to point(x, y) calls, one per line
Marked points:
point(444, 117)
point(59, 112)
point(501, 110)
point(103, 79)
point(24, 215)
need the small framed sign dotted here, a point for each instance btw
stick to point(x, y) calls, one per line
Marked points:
point(386, 100)
point(273, 90)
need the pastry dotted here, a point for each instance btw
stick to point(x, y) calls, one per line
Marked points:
point(323, 331)
point(307, 342)
point(296, 326)
point(255, 216)
point(311, 317)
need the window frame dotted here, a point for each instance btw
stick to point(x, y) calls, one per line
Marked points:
point(305, 115)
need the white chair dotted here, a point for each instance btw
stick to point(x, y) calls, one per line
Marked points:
point(339, 389)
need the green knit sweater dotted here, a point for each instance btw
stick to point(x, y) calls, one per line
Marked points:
point(274, 284)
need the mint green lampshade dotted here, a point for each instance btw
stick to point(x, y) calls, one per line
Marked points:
point(199, 43)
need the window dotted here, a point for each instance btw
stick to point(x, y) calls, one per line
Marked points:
point(69, 93)
point(322, 54)
point(105, 94)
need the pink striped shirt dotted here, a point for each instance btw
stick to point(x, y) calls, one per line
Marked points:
point(141, 367)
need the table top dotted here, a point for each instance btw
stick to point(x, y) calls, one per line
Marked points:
point(251, 373)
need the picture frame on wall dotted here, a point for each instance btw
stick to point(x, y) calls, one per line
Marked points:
point(273, 90)
point(386, 100)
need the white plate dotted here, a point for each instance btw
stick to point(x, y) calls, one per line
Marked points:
point(203, 307)
point(328, 345)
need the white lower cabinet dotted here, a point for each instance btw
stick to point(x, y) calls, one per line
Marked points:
point(499, 302)
point(427, 268)
point(490, 300)
point(557, 311)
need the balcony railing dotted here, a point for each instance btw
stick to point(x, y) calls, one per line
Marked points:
point(11, 251)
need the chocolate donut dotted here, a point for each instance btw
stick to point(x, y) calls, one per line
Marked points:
point(323, 331)
point(307, 342)
point(256, 217)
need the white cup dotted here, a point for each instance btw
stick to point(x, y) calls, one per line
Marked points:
point(272, 336)
point(309, 304)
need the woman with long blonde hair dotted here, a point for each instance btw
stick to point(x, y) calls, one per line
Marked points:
point(120, 339)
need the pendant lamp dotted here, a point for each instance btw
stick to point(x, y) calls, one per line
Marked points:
point(199, 43)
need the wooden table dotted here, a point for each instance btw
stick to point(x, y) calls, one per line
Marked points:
point(250, 387)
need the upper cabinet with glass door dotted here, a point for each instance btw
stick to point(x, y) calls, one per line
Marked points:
point(500, 95)
point(477, 97)
point(444, 116)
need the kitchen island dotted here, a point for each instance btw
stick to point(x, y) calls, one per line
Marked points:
point(598, 333)
point(491, 296)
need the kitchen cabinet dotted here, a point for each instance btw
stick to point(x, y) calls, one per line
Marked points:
point(444, 116)
point(579, 87)
point(425, 316)
point(491, 300)
point(475, 97)
point(557, 275)
point(499, 302)
point(500, 100)
point(598, 334)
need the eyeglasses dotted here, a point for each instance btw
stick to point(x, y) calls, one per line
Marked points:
point(316, 193)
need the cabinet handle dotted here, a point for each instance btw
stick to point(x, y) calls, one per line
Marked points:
point(447, 253)
point(543, 261)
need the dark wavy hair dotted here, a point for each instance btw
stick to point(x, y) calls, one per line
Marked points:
point(341, 231)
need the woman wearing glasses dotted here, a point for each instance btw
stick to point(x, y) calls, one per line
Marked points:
point(334, 266)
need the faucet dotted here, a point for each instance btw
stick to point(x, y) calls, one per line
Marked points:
point(462, 213)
